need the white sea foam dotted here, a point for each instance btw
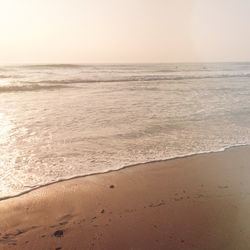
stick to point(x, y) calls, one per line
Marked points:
point(100, 118)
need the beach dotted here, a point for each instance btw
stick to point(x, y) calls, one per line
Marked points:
point(195, 202)
point(125, 125)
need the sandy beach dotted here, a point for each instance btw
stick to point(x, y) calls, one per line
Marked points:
point(125, 125)
point(196, 202)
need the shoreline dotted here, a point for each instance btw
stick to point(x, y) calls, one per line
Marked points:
point(196, 202)
point(122, 168)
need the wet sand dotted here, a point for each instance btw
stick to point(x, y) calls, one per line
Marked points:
point(197, 202)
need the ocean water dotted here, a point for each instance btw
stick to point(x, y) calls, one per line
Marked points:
point(62, 121)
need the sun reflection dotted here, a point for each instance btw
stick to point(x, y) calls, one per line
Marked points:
point(5, 128)
point(7, 159)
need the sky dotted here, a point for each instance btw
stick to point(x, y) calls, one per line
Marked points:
point(124, 31)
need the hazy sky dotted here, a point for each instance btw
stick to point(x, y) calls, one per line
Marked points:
point(88, 31)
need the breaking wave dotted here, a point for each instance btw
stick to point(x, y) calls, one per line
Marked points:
point(138, 79)
point(34, 87)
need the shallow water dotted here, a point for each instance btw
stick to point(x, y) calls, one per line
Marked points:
point(60, 121)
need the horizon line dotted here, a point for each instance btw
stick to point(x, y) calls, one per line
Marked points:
point(114, 63)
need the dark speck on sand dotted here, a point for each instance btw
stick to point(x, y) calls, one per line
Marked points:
point(58, 233)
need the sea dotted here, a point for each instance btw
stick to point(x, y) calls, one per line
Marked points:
point(62, 121)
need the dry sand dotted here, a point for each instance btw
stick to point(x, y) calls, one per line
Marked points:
point(198, 202)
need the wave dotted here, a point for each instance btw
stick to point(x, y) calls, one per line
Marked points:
point(9, 76)
point(21, 88)
point(38, 186)
point(56, 84)
point(137, 79)
point(45, 66)
point(4, 76)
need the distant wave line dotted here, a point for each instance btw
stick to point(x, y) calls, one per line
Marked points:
point(21, 88)
point(136, 79)
point(9, 76)
point(56, 84)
